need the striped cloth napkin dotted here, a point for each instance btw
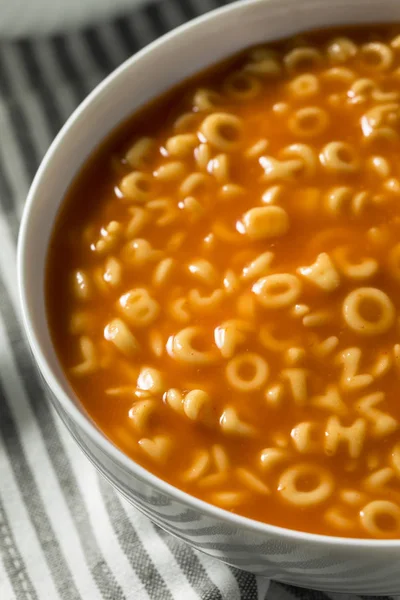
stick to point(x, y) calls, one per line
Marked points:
point(64, 532)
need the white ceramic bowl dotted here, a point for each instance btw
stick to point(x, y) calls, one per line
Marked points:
point(343, 565)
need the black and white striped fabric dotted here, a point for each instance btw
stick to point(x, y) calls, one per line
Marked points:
point(64, 533)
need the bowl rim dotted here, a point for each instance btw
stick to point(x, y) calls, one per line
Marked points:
point(60, 397)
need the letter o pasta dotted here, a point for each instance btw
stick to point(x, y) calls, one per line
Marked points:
point(381, 518)
point(378, 305)
point(241, 86)
point(308, 122)
point(339, 157)
point(304, 86)
point(341, 49)
point(376, 56)
point(223, 131)
point(137, 187)
point(300, 59)
point(277, 291)
point(247, 372)
point(205, 99)
point(305, 485)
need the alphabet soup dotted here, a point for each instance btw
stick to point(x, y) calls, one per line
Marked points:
point(223, 284)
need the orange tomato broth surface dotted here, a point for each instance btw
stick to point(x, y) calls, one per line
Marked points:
point(362, 222)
